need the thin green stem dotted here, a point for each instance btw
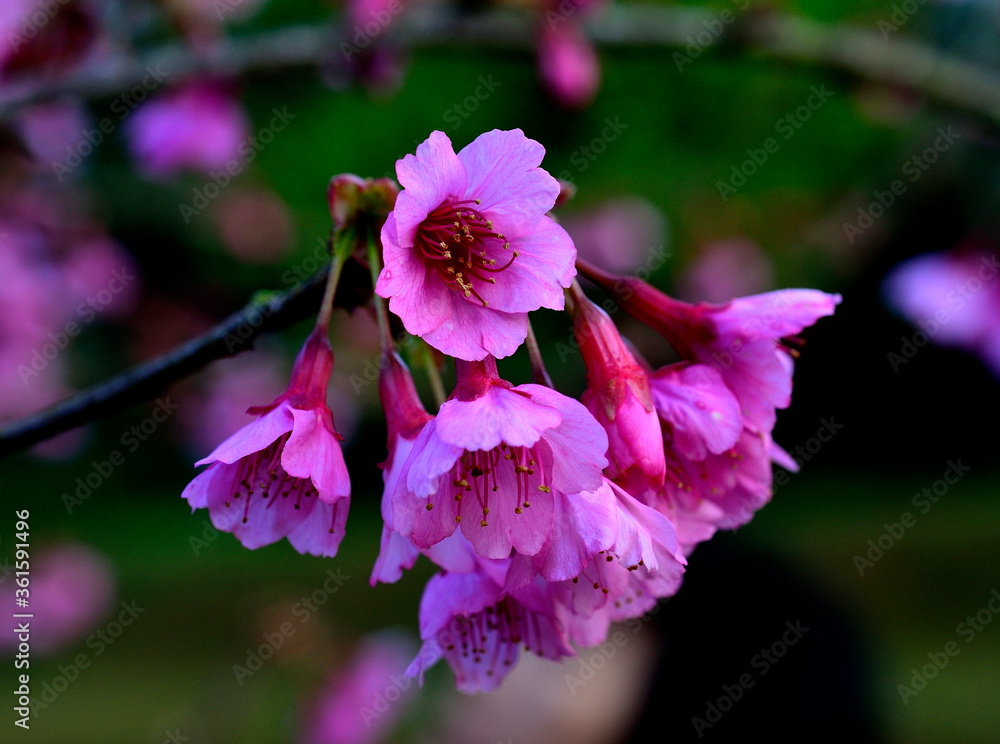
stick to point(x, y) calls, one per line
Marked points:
point(381, 314)
point(332, 279)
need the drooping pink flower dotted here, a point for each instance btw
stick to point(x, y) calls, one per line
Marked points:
point(468, 620)
point(494, 461)
point(645, 563)
point(197, 127)
point(468, 248)
point(719, 470)
point(749, 340)
point(350, 708)
point(72, 587)
point(291, 457)
point(618, 394)
point(722, 491)
point(952, 297)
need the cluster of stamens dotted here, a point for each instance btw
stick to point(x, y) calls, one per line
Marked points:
point(262, 473)
point(456, 240)
point(594, 573)
point(477, 472)
point(494, 635)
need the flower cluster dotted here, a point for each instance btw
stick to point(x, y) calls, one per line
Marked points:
point(549, 517)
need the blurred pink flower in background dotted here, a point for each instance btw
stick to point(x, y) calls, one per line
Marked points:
point(568, 66)
point(372, 17)
point(567, 60)
point(952, 297)
point(197, 127)
point(14, 15)
point(218, 408)
point(620, 235)
point(49, 129)
point(725, 269)
point(55, 283)
point(72, 588)
point(361, 702)
point(255, 225)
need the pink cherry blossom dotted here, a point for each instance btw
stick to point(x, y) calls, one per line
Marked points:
point(749, 340)
point(468, 248)
point(291, 456)
point(494, 461)
point(197, 127)
point(468, 620)
point(645, 563)
point(52, 130)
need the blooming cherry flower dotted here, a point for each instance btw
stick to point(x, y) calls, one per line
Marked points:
point(468, 620)
point(493, 462)
point(645, 563)
point(749, 340)
point(468, 248)
point(290, 456)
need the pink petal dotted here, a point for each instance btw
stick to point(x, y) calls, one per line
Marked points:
point(583, 525)
point(395, 553)
point(500, 416)
point(545, 264)
point(503, 174)
point(322, 530)
point(703, 414)
point(313, 451)
point(427, 178)
point(254, 437)
point(578, 444)
point(472, 332)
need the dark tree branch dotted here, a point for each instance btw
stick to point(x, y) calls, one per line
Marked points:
point(862, 53)
point(233, 335)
